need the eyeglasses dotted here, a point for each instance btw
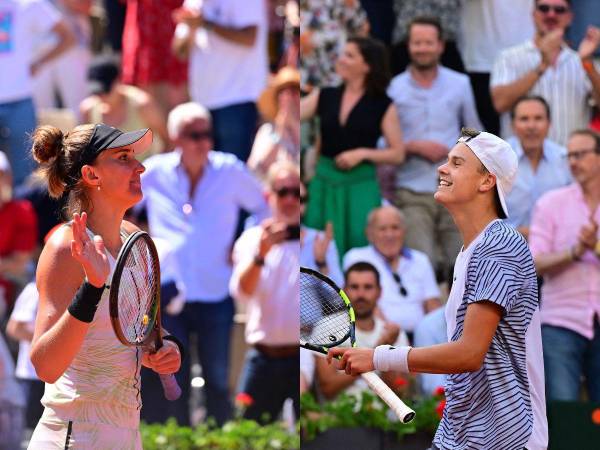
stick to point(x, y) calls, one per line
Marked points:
point(545, 9)
point(198, 135)
point(293, 191)
point(304, 199)
point(578, 155)
point(398, 280)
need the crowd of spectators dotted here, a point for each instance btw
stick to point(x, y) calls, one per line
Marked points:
point(522, 69)
point(217, 82)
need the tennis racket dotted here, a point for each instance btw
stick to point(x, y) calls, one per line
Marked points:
point(327, 320)
point(135, 301)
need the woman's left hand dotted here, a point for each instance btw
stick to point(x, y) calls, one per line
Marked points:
point(166, 360)
point(350, 158)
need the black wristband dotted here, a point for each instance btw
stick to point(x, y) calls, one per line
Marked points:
point(170, 337)
point(84, 304)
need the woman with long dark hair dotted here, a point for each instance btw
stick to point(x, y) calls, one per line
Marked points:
point(352, 118)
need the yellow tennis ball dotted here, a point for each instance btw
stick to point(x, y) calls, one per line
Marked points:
point(145, 319)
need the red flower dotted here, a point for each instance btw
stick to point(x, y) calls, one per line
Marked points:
point(439, 409)
point(439, 391)
point(244, 399)
point(400, 382)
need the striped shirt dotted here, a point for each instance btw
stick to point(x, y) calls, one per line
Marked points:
point(501, 406)
point(565, 86)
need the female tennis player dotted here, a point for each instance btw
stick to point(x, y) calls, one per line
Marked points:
point(92, 396)
point(495, 388)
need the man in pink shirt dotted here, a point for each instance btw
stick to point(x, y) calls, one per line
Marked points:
point(565, 246)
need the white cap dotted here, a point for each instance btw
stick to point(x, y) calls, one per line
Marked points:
point(4, 164)
point(499, 158)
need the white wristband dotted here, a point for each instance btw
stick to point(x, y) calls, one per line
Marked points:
point(387, 358)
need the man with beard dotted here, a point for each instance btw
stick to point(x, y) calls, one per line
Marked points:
point(363, 288)
point(433, 103)
point(546, 66)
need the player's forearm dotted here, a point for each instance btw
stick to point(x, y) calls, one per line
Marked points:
point(451, 357)
point(505, 96)
point(53, 351)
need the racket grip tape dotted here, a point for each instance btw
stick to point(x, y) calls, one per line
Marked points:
point(170, 387)
point(404, 413)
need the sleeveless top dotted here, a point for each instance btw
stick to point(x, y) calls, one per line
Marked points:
point(102, 384)
point(363, 124)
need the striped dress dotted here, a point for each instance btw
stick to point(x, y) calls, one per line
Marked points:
point(501, 406)
point(95, 404)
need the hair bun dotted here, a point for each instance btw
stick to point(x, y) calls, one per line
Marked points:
point(47, 143)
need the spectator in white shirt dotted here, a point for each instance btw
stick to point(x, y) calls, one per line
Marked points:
point(266, 280)
point(409, 289)
point(546, 66)
point(193, 196)
point(226, 41)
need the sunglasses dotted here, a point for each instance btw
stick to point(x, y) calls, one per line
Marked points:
point(398, 280)
point(198, 135)
point(293, 191)
point(304, 199)
point(545, 9)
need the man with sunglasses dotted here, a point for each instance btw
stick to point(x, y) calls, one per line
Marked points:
point(547, 67)
point(193, 196)
point(408, 286)
point(565, 244)
point(265, 280)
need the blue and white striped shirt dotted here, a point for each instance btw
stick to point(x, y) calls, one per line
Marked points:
point(501, 405)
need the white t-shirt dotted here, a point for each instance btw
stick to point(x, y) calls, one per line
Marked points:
point(24, 311)
point(417, 277)
point(20, 22)
point(489, 26)
point(273, 309)
point(222, 72)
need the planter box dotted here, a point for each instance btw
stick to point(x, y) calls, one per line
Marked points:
point(346, 439)
point(366, 439)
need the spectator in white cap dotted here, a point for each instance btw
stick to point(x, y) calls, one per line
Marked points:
point(493, 357)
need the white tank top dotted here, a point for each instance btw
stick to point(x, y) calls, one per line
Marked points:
point(102, 383)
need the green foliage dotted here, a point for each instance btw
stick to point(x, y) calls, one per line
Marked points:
point(369, 411)
point(235, 435)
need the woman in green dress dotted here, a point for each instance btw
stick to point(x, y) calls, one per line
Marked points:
point(352, 118)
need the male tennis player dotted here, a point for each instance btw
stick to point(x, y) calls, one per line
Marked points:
point(495, 388)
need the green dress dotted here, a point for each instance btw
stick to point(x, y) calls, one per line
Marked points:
point(345, 197)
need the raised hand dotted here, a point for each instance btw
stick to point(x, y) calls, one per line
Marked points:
point(273, 233)
point(90, 254)
point(589, 43)
point(322, 241)
point(549, 46)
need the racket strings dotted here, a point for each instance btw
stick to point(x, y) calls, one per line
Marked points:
point(138, 293)
point(324, 317)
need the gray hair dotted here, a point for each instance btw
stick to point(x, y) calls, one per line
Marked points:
point(279, 167)
point(371, 218)
point(183, 114)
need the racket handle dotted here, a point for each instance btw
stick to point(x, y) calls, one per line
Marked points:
point(170, 387)
point(404, 413)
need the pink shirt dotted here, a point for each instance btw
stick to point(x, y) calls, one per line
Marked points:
point(570, 297)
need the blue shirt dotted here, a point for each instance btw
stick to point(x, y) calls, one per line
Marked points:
point(434, 114)
point(552, 173)
point(201, 229)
